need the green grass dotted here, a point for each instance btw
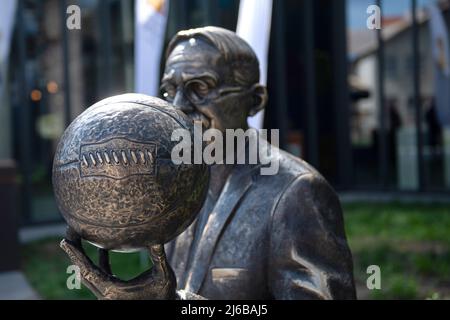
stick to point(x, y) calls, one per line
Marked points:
point(45, 266)
point(415, 222)
point(410, 243)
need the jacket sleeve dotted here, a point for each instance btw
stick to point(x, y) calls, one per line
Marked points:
point(309, 256)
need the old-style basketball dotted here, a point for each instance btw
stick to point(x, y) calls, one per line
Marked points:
point(113, 177)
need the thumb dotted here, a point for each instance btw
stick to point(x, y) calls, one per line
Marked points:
point(159, 259)
point(75, 253)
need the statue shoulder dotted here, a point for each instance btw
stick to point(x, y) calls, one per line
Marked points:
point(288, 166)
point(296, 165)
point(306, 194)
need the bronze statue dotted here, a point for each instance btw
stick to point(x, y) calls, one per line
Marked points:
point(256, 236)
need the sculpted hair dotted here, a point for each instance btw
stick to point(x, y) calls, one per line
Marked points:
point(236, 52)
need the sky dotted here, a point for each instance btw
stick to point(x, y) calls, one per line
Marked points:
point(357, 16)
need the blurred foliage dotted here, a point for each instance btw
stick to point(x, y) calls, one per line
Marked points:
point(417, 222)
point(45, 265)
point(39, 175)
point(410, 243)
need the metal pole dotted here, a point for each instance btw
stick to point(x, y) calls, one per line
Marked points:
point(24, 132)
point(127, 40)
point(341, 94)
point(65, 45)
point(383, 156)
point(182, 14)
point(312, 144)
point(280, 69)
point(210, 10)
point(417, 100)
point(106, 48)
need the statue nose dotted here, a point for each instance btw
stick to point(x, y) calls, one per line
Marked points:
point(182, 103)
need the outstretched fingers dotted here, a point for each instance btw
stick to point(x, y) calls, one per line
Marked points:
point(95, 279)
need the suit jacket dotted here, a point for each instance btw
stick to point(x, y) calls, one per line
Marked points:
point(267, 237)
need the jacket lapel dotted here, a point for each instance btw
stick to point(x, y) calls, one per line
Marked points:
point(234, 190)
point(180, 249)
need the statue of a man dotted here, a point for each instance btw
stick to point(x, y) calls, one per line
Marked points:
point(257, 236)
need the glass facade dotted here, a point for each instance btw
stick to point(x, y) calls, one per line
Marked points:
point(397, 140)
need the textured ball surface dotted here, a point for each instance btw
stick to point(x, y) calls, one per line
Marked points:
point(113, 177)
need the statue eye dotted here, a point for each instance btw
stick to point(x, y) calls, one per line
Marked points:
point(197, 89)
point(168, 91)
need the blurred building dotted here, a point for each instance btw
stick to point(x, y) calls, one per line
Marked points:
point(55, 73)
point(400, 118)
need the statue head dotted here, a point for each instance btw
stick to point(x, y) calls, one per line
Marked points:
point(212, 75)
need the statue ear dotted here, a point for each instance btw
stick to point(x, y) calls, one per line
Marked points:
point(259, 93)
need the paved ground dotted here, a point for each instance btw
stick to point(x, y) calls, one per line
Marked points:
point(29, 234)
point(14, 286)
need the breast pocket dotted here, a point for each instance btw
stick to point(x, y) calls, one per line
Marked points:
point(227, 275)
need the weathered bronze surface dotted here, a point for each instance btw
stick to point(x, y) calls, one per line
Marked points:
point(256, 237)
point(114, 180)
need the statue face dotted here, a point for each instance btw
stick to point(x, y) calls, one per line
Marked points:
point(201, 84)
